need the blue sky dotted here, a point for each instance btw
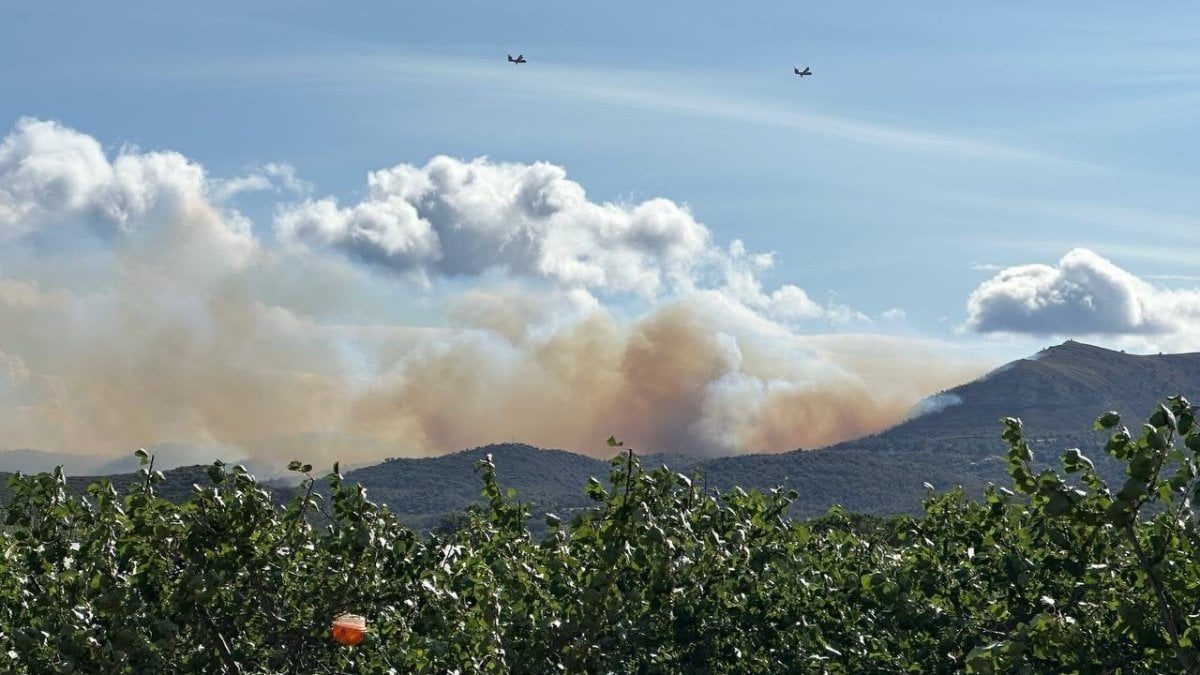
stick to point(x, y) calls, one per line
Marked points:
point(974, 179)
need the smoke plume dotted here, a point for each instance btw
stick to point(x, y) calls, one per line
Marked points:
point(460, 303)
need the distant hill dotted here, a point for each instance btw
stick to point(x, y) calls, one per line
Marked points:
point(166, 456)
point(426, 489)
point(176, 487)
point(27, 460)
point(1060, 389)
point(1057, 393)
point(951, 438)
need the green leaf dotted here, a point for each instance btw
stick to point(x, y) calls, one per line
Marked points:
point(1163, 417)
point(1193, 442)
point(1058, 504)
point(595, 490)
point(983, 660)
point(1132, 491)
point(1119, 444)
point(1073, 461)
point(1154, 438)
point(1012, 429)
point(1108, 420)
point(1141, 467)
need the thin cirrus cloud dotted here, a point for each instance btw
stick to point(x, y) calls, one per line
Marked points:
point(1083, 294)
point(178, 325)
point(703, 94)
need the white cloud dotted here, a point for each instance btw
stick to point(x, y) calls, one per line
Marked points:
point(1084, 294)
point(477, 219)
point(388, 232)
point(458, 218)
point(741, 271)
point(47, 172)
point(272, 176)
point(56, 183)
point(1173, 277)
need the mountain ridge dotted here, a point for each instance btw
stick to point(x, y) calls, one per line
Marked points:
point(1057, 392)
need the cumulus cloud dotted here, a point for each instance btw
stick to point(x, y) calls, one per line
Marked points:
point(742, 272)
point(1083, 294)
point(176, 325)
point(464, 218)
point(48, 173)
point(53, 177)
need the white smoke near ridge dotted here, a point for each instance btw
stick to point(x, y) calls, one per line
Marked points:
point(933, 404)
point(174, 324)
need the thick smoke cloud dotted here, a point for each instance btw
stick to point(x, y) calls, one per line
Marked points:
point(700, 374)
point(161, 318)
point(1084, 294)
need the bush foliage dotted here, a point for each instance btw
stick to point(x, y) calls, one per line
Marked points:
point(1066, 574)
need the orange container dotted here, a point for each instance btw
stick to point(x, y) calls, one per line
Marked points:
point(349, 629)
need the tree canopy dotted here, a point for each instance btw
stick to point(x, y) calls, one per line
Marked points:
point(1061, 573)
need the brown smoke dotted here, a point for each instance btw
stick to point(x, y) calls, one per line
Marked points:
point(225, 369)
point(173, 323)
point(653, 385)
point(166, 357)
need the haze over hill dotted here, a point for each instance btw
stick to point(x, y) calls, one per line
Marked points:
point(1059, 389)
point(458, 301)
point(1057, 392)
